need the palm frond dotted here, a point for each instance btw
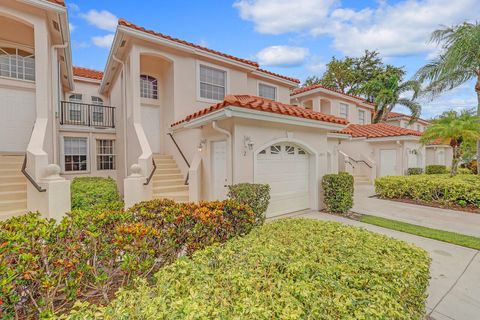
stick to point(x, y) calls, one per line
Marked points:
point(414, 107)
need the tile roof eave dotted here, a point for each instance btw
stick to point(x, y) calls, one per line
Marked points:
point(312, 89)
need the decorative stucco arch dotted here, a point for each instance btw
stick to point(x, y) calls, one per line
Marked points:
point(313, 165)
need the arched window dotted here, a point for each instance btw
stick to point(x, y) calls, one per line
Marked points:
point(148, 87)
point(16, 63)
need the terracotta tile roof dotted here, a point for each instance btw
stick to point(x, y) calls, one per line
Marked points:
point(87, 73)
point(393, 115)
point(378, 130)
point(317, 86)
point(128, 24)
point(265, 105)
point(59, 2)
point(437, 142)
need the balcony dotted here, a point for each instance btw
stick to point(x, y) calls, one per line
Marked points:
point(90, 115)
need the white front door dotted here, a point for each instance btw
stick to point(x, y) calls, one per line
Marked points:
point(17, 117)
point(388, 162)
point(151, 126)
point(219, 169)
point(285, 167)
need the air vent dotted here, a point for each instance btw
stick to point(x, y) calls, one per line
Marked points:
point(55, 25)
point(62, 58)
point(123, 43)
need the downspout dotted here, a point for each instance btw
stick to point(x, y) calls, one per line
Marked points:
point(124, 111)
point(58, 98)
point(229, 142)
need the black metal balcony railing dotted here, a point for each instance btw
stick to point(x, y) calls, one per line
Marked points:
point(83, 114)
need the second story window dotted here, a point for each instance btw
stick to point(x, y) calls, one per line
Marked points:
point(74, 110)
point(16, 63)
point(148, 87)
point(344, 110)
point(266, 91)
point(361, 116)
point(97, 101)
point(213, 83)
point(97, 110)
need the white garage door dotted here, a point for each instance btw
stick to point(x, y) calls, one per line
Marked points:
point(17, 117)
point(388, 162)
point(285, 167)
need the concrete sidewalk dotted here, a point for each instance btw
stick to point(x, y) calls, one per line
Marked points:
point(443, 219)
point(454, 291)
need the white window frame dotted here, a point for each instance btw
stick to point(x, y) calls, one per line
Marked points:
point(81, 119)
point(268, 85)
point(364, 116)
point(140, 88)
point(97, 154)
point(214, 66)
point(97, 108)
point(62, 159)
point(28, 49)
point(340, 105)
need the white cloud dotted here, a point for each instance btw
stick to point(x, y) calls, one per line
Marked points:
point(285, 56)
point(71, 27)
point(73, 6)
point(104, 19)
point(280, 16)
point(394, 30)
point(103, 41)
point(316, 65)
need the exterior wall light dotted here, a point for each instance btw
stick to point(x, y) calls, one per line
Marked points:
point(202, 145)
point(248, 142)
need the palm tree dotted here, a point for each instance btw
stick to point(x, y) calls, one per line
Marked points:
point(458, 63)
point(453, 128)
point(387, 92)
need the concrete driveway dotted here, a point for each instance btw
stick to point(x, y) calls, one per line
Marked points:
point(454, 291)
point(448, 220)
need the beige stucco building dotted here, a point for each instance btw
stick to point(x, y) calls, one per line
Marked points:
point(168, 118)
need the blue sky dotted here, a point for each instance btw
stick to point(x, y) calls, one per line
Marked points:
point(294, 38)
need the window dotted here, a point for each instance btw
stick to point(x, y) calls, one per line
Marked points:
point(267, 91)
point(344, 110)
point(213, 83)
point(148, 87)
point(75, 153)
point(419, 128)
point(97, 110)
point(74, 110)
point(105, 154)
point(361, 116)
point(16, 63)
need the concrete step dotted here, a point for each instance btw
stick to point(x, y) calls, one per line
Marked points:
point(168, 189)
point(160, 171)
point(10, 171)
point(12, 159)
point(8, 165)
point(169, 182)
point(13, 195)
point(162, 157)
point(18, 186)
point(4, 215)
point(181, 196)
point(171, 165)
point(13, 205)
point(173, 176)
point(12, 179)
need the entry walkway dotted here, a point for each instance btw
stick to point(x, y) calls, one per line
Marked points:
point(454, 290)
point(443, 219)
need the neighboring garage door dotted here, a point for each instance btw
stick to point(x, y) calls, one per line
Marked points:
point(285, 167)
point(388, 162)
point(17, 117)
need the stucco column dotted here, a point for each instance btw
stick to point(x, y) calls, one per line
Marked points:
point(317, 104)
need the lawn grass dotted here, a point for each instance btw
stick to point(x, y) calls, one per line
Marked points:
point(445, 236)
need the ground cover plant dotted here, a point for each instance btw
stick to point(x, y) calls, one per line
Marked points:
point(441, 189)
point(95, 193)
point(287, 269)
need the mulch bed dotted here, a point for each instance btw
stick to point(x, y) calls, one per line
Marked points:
point(470, 209)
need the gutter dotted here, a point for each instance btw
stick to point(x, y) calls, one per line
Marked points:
point(124, 111)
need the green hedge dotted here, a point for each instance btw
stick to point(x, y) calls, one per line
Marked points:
point(89, 254)
point(257, 196)
point(461, 190)
point(414, 171)
point(338, 192)
point(287, 269)
point(95, 193)
point(436, 169)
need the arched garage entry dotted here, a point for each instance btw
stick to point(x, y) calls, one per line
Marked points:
point(290, 170)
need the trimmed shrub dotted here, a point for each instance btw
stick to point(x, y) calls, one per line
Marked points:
point(257, 196)
point(414, 171)
point(436, 169)
point(45, 266)
point(461, 190)
point(95, 193)
point(287, 269)
point(472, 165)
point(338, 192)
